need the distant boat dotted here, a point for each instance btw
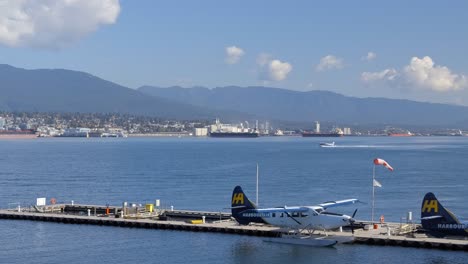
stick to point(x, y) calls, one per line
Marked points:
point(252, 134)
point(278, 132)
point(314, 134)
point(404, 134)
point(334, 133)
point(219, 130)
point(12, 134)
point(327, 145)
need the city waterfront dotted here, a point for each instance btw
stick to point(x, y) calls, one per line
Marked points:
point(199, 173)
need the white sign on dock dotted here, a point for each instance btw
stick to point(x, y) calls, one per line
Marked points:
point(40, 201)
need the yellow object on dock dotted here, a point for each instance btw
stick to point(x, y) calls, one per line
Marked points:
point(196, 222)
point(149, 208)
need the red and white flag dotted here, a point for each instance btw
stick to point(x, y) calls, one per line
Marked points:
point(384, 163)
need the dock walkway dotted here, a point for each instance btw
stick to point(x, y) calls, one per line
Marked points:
point(223, 226)
point(216, 222)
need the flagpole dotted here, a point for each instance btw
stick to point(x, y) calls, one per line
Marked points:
point(373, 193)
point(256, 200)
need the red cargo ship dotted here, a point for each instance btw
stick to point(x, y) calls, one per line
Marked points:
point(17, 134)
point(407, 134)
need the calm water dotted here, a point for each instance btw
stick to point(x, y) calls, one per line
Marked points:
point(191, 173)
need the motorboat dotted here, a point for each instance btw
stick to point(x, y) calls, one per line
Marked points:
point(327, 144)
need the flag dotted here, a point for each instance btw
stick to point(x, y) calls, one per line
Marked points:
point(377, 184)
point(384, 163)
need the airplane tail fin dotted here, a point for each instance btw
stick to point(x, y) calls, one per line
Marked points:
point(239, 204)
point(434, 215)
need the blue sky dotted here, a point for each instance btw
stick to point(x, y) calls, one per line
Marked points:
point(419, 47)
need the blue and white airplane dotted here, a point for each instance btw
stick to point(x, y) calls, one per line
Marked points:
point(295, 217)
point(438, 220)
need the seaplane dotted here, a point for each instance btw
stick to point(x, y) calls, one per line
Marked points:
point(300, 221)
point(439, 221)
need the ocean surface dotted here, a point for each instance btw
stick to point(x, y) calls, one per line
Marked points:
point(200, 173)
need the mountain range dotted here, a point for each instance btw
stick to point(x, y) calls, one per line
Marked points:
point(61, 90)
point(282, 104)
point(71, 91)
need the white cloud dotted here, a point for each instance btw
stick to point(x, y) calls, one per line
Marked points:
point(425, 74)
point(233, 54)
point(385, 75)
point(420, 73)
point(370, 56)
point(53, 23)
point(329, 62)
point(279, 70)
point(272, 69)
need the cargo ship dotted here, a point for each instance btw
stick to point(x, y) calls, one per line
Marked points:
point(17, 134)
point(335, 133)
point(400, 134)
point(252, 134)
point(315, 134)
point(219, 130)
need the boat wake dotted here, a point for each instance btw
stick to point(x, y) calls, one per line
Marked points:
point(408, 147)
point(362, 146)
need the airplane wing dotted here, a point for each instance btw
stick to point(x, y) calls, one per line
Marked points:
point(431, 217)
point(329, 204)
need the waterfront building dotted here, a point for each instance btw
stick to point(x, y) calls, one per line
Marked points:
point(76, 132)
point(201, 131)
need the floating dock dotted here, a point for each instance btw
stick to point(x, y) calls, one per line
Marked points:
point(167, 219)
point(387, 234)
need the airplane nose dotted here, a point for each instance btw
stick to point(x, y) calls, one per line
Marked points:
point(348, 219)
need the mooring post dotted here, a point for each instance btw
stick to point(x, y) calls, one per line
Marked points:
point(124, 208)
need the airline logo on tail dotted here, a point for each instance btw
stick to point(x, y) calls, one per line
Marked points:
point(237, 199)
point(430, 206)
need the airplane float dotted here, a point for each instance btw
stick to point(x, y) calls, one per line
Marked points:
point(439, 221)
point(295, 218)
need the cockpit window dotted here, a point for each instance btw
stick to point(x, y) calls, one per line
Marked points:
point(319, 210)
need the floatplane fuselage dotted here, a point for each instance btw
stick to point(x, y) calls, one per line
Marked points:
point(295, 217)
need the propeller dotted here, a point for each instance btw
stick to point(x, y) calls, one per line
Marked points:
point(355, 211)
point(352, 220)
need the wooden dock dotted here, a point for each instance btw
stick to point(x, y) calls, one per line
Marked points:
point(217, 222)
point(216, 226)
